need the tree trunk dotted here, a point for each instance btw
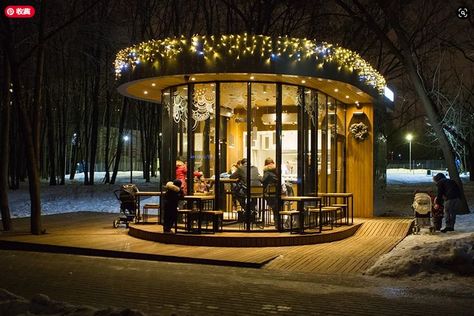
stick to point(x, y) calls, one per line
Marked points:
point(107, 127)
point(38, 92)
point(4, 145)
point(118, 153)
point(51, 143)
point(33, 174)
point(95, 118)
point(85, 145)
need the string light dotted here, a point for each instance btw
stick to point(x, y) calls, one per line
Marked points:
point(237, 46)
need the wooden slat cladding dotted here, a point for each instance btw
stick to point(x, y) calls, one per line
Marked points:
point(359, 164)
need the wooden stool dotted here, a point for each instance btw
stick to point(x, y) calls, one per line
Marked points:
point(187, 217)
point(217, 217)
point(290, 214)
point(148, 206)
point(344, 211)
point(331, 214)
point(313, 213)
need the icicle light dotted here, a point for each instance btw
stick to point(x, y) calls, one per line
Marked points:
point(242, 45)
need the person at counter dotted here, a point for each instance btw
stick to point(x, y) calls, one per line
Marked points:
point(181, 171)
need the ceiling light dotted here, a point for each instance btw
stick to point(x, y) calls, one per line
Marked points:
point(145, 92)
point(303, 81)
point(336, 90)
point(153, 84)
point(193, 79)
point(252, 77)
point(347, 97)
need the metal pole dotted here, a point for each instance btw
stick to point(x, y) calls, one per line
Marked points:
point(131, 159)
point(409, 153)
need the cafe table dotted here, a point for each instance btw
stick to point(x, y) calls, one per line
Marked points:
point(300, 200)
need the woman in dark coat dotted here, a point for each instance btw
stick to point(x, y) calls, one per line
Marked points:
point(171, 198)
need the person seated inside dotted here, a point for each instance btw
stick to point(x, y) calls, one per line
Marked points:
point(201, 184)
point(270, 182)
point(240, 188)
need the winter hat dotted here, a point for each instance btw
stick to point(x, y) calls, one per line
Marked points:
point(177, 183)
point(439, 177)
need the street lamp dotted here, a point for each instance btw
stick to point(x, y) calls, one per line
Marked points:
point(125, 139)
point(409, 138)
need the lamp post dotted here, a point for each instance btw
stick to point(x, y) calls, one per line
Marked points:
point(409, 137)
point(126, 138)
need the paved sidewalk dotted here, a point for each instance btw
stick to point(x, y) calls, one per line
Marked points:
point(160, 288)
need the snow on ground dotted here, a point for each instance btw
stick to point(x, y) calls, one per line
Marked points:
point(75, 196)
point(448, 255)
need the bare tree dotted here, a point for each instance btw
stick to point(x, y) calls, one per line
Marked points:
point(409, 29)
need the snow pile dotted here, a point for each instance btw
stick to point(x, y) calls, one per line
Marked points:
point(40, 304)
point(425, 254)
point(453, 255)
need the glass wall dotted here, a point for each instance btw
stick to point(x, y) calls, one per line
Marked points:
point(322, 143)
point(203, 133)
point(290, 151)
point(230, 121)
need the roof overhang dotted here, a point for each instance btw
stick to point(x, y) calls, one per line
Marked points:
point(145, 69)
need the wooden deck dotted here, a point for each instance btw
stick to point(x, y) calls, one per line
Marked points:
point(92, 234)
point(352, 255)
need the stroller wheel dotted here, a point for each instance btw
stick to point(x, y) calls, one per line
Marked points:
point(116, 223)
point(415, 230)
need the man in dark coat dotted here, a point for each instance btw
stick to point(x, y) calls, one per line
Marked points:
point(171, 198)
point(241, 174)
point(450, 195)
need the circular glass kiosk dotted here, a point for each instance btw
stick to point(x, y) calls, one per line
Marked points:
point(305, 111)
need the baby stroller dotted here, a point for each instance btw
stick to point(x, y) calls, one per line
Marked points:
point(128, 204)
point(422, 208)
